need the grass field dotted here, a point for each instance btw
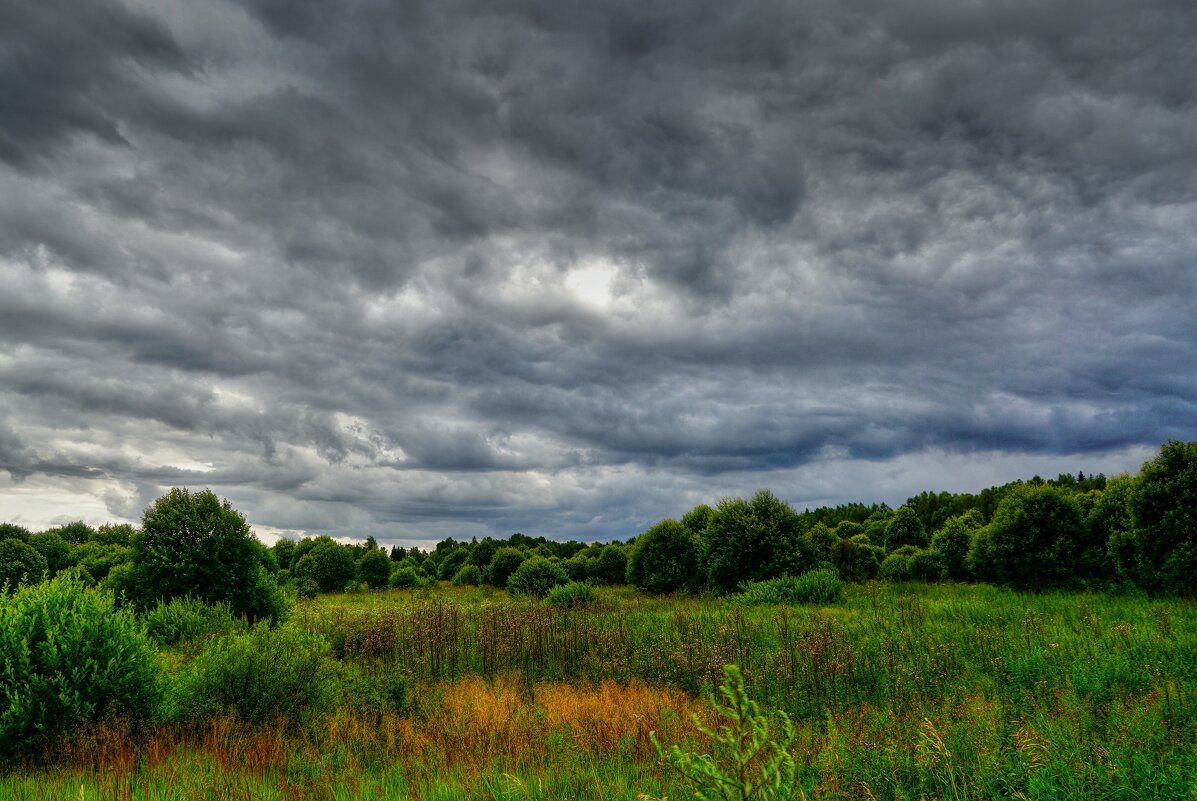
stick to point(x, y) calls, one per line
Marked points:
point(898, 692)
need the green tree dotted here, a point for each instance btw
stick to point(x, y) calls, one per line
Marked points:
point(193, 543)
point(611, 567)
point(55, 550)
point(1033, 539)
point(904, 528)
point(503, 564)
point(113, 534)
point(374, 568)
point(283, 550)
point(665, 559)
point(20, 564)
point(535, 577)
point(952, 543)
point(753, 540)
point(75, 533)
point(1159, 552)
point(11, 531)
point(328, 563)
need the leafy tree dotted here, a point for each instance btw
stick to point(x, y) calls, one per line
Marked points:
point(611, 567)
point(483, 552)
point(113, 534)
point(283, 550)
point(1159, 552)
point(11, 531)
point(328, 563)
point(374, 568)
point(468, 575)
point(953, 541)
point(55, 550)
point(193, 543)
point(904, 528)
point(398, 554)
point(856, 559)
point(98, 559)
point(20, 564)
point(535, 577)
point(753, 541)
point(403, 577)
point(504, 563)
point(926, 565)
point(75, 532)
point(665, 559)
point(577, 568)
point(696, 520)
point(451, 562)
point(1033, 539)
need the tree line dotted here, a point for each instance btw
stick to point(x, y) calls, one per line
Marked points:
point(1071, 531)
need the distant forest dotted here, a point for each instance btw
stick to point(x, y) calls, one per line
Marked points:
point(1074, 531)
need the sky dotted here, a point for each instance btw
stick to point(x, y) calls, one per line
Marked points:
point(428, 269)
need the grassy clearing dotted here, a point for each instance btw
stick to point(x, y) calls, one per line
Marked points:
point(898, 692)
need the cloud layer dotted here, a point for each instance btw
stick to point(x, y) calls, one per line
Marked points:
point(428, 269)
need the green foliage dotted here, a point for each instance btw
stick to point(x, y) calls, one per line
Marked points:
point(813, 587)
point(452, 562)
point(11, 531)
point(374, 568)
point(697, 519)
point(328, 563)
point(1159, 553)
point(746, 759)
point(535, 578)
point(1033, 540)
point(904, 528)
point(468, 575)
point(665, 559)
point(183, 619)
point(99, 559)
point(113, 534)
point(403, 577)
point(504, 563)
point(577, 568)
point(268, 674)
point(54, 549)
point(855, 559)
point(304, 588)
point(611, 567)
point(571, 595)
point(20, 563)
point(952, 543)
point(75, 533)
point(69, 656)
point(896, 566)
point(753, 541)
point(926, 565)
point(283, 550)
point(195, 544)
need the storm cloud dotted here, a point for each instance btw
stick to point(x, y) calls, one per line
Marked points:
point(416, 270)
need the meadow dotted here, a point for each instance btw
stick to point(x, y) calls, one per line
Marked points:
point(897, 691)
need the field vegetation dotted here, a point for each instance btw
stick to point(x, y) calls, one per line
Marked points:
point(1035, 641)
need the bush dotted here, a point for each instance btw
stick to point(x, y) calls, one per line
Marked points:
point(535, 578)
point(182, 619)
point(304, 588)
point(952, 543)
point(403, 578)
point(611, 567)
point(753, 541)
point(70, 656)
point(855, 559)
point(571, 595)
point(279, 674)
point(20, 563)
point(374, 568)
point(665, 559)
point(815, 586)
point(11, 531)
point(468, 575)
point(896, 566)
point(505, 562)
point(904, 528)
point(926, 565)
point(328, 563)
point(1033, 540)
point(577, 568)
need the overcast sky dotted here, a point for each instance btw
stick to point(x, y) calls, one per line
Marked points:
point(428, 269)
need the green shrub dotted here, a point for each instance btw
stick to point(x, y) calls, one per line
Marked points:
point(665, 559)
point(952, 543)
point(855, 559)
point(577, 568)
point(815, 586)
point(279, 674)
point(1159, 552)
point(304, 588)
point(69, 656)
point(403, 578)
point(536, 577)
point(926, 565)
point(896, 566)
point(20, 563)
point(374, 568)
point(1033, 541)
point(503, 564)
point(611, 567)
point(571, 595)
point(468, 575)
point(904, 528)
point(754, 540)
point(328, 563)
point(11, 531)
point(390, 692)
point(182, 619)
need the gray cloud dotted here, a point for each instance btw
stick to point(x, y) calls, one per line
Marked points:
point(456, 268)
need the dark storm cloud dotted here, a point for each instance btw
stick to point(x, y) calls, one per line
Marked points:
point(421, 269)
